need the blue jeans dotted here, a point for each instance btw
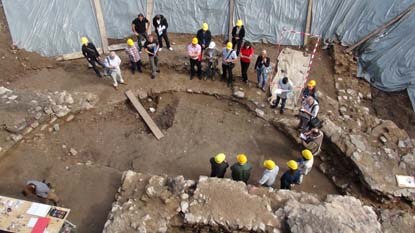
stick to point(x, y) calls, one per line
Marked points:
point(262, 78)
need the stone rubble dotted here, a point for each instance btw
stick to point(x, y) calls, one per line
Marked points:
point(146, 203)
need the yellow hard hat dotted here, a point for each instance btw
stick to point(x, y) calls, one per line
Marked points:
point(205, 26)
point(242, 159)
point(312, 83)
point(130, 42)
point(239, 23)
point(269, 164)
point(84, 40)
point(195, 40)
point(219, 158)
point(293, 165)
point(229, 45)
point(307, 154)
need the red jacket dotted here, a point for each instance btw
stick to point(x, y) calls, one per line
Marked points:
point(246, 52)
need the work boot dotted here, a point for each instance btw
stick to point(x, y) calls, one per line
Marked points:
point(281, 111)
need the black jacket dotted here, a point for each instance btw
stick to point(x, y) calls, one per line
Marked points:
point(218, 170)
point(259, 64)
point(241, 33)
point(202, 35)
point(163, 22)
point(90, 51)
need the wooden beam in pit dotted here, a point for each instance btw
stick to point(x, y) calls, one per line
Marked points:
point(143, 113)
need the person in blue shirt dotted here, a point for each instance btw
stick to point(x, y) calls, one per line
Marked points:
point(290, 177)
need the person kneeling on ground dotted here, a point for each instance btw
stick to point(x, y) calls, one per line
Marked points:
point(308, 112)
point(262, 66)
point(134, 56)
point(312, 140)
point(285, 87)
point(241, 171)
point(91, 54)
point(305, 163)
point(151, 47)
point(228, 62)
point(42, 190)
point(211, 56)
point(218, 165)
point(195, 54)
point(290, 177)
point(112, 63)
point(270, 174)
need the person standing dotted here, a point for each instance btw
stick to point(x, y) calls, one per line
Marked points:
point(238, 34)
point(290, 177)
point(112, 63)
point(160, 24)
point(218, 165)
point(140, 26)
point(204, 36)
point(194, 51)
point(270, 174)
point(42, 190)
point(305, 163)
point(241, 171)
point(245, 56)
point(285, 86)
point(91, 54)
point(262, 66)
point(228, 62)
point(211, 56)
point(151, 47)
point(134, 56)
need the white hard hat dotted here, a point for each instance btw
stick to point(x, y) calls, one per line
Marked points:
point(212, 45)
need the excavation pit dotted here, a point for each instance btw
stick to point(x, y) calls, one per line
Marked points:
point(114, 139)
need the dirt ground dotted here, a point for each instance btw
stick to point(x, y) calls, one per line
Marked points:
point(112, 138)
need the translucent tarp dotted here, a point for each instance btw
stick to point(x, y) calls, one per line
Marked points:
point(51, 27)
point(119, 14)
point(265, 19)
point(187, 16)
point(351, 20)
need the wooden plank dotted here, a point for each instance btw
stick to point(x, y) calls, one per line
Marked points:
point(308, 22)
point(143, 113)
point(101, 25)
point(382, 28)
point(77, 55)
point(149, 14)
point(231, 11)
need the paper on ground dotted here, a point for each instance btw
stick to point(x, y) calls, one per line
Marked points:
point(32, 222)
point(37, 209)
point(405, 181)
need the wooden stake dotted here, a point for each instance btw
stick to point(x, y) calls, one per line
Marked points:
point(149, 14)
point(231, 11)
point(308, 23)
point(101, 25)
point(381, 29)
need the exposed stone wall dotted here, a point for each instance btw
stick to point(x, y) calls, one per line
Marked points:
point(147, 203)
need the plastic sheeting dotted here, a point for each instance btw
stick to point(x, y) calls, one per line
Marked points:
point(188, 16)
point(50, 27)
point(388, 61)
point(266, 19)
point(119, 14)
point(351, 20)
